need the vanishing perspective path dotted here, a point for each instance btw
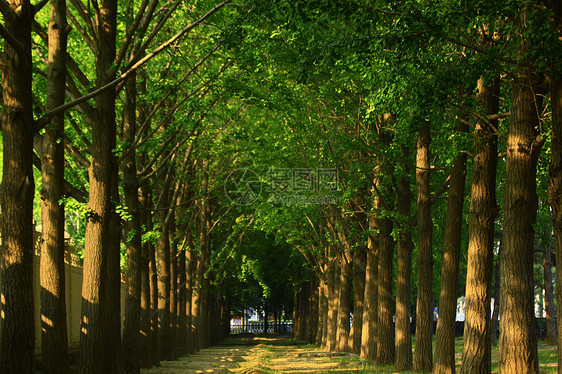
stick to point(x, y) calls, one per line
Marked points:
point(260, 354)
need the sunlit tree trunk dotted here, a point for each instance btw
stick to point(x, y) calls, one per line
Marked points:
point(163, 273)
point(54, 346)
point(483, 211)
point(333, 301)
point(369, 332)
point(344, 304)
point(518, 342)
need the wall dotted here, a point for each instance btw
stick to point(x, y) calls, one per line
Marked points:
point(73, 279)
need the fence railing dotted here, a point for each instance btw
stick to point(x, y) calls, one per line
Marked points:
point(259, 327)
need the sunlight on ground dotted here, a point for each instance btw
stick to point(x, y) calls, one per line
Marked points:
point(281, 354)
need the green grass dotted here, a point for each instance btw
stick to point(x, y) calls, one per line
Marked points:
point(548, 360)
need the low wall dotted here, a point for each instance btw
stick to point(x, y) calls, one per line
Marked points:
point(73, 295)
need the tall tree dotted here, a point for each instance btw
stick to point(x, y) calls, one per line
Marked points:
point(424, 311)
point(131, 328)
point(404, 250)
point(444, 355)
point(16, 196)
point(369, 333)
point(518, 344)
point(385, 346)
point(483, 211)
point(94, 336)
point(555, 192)
point(54, 346)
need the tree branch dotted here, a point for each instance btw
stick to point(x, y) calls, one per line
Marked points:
point(39, 5)
point(43, 121)
point(5, 8)
point(12, 41)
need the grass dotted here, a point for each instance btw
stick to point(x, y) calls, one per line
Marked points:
point(548, 360)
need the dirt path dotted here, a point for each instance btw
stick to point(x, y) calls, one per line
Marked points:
point(260, 355)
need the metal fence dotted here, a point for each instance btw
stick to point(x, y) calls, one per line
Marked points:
point(259, 327)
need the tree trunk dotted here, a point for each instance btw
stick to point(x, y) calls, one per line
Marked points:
point(155, 328)
point(518, 343)
point(314, 311)
point(333, 301)
point(359, 264)
point(16, 277)
point(173, 291)
point(483, 211)
point(95, 331)
point(496, 312)
point(369, 332)
point(191, 266)
point(325, 306)
point(424, 309)
point(182, 302)
point(131, 328)
point(163, 271)
point(549, 298)
point(196, 300)
point(54, 346)
point(445, 334)
point(344, 303)
point(320, 322)
point(385, 346)
point(555, 194)
point(403, 274)
point(112, 309)
point(145, 200)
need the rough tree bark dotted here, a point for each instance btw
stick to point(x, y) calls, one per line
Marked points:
point(16, 262)
point(424, 310)
point(163, 274)
point(369, 332)
point(405, 247)
point(131, 328)
point(359, 264)
point(344, 304)
point(385, 346)
point(444, 355)
point(518, 343)
point(54, 346)
point(483, 211)
point(95, 333)
point(147, 348)
point(333, 301)
point(173, 289)
point(147, 308)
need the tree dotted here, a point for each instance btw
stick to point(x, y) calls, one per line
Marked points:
point(16, 197)
point(424, 311)
point(54, 346)
point(518, 345)
point(483, 211)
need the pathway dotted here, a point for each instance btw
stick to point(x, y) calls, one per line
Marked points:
point(261, 354)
